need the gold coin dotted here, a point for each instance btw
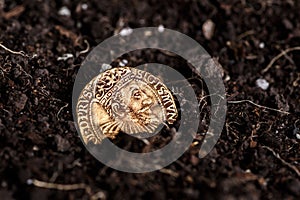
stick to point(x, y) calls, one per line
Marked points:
point(123, 99)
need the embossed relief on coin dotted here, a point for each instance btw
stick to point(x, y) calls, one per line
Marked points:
point(123, 99)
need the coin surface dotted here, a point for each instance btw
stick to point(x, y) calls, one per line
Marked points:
point(123, 99)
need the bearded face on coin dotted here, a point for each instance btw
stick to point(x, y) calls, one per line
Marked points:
point(123, 99)
point(137, 109)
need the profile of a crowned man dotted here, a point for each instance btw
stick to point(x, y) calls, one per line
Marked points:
point(128, 100)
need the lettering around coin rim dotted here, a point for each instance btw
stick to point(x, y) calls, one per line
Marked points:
point(123, 99)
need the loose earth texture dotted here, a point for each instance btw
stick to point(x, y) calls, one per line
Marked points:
point(43, 44)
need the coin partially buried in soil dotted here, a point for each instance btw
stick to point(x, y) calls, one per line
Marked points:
point(123, 99)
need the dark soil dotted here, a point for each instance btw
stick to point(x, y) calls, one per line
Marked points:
point(257, 156)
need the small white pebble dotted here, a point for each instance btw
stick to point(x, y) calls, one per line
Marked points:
point(105, 67)
point(227, 78)
point(29, 181)
point(126, 31)
point(35, 148)
point(122, 64)
point(125, 61)
point(65, 57)
point(84, 6)
point(161, 28)
point(145, 141)
point(208, 29)
point(262, 83)
point(64, 11)
point(228, 43)
point(262, 45)
point(298, 136)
